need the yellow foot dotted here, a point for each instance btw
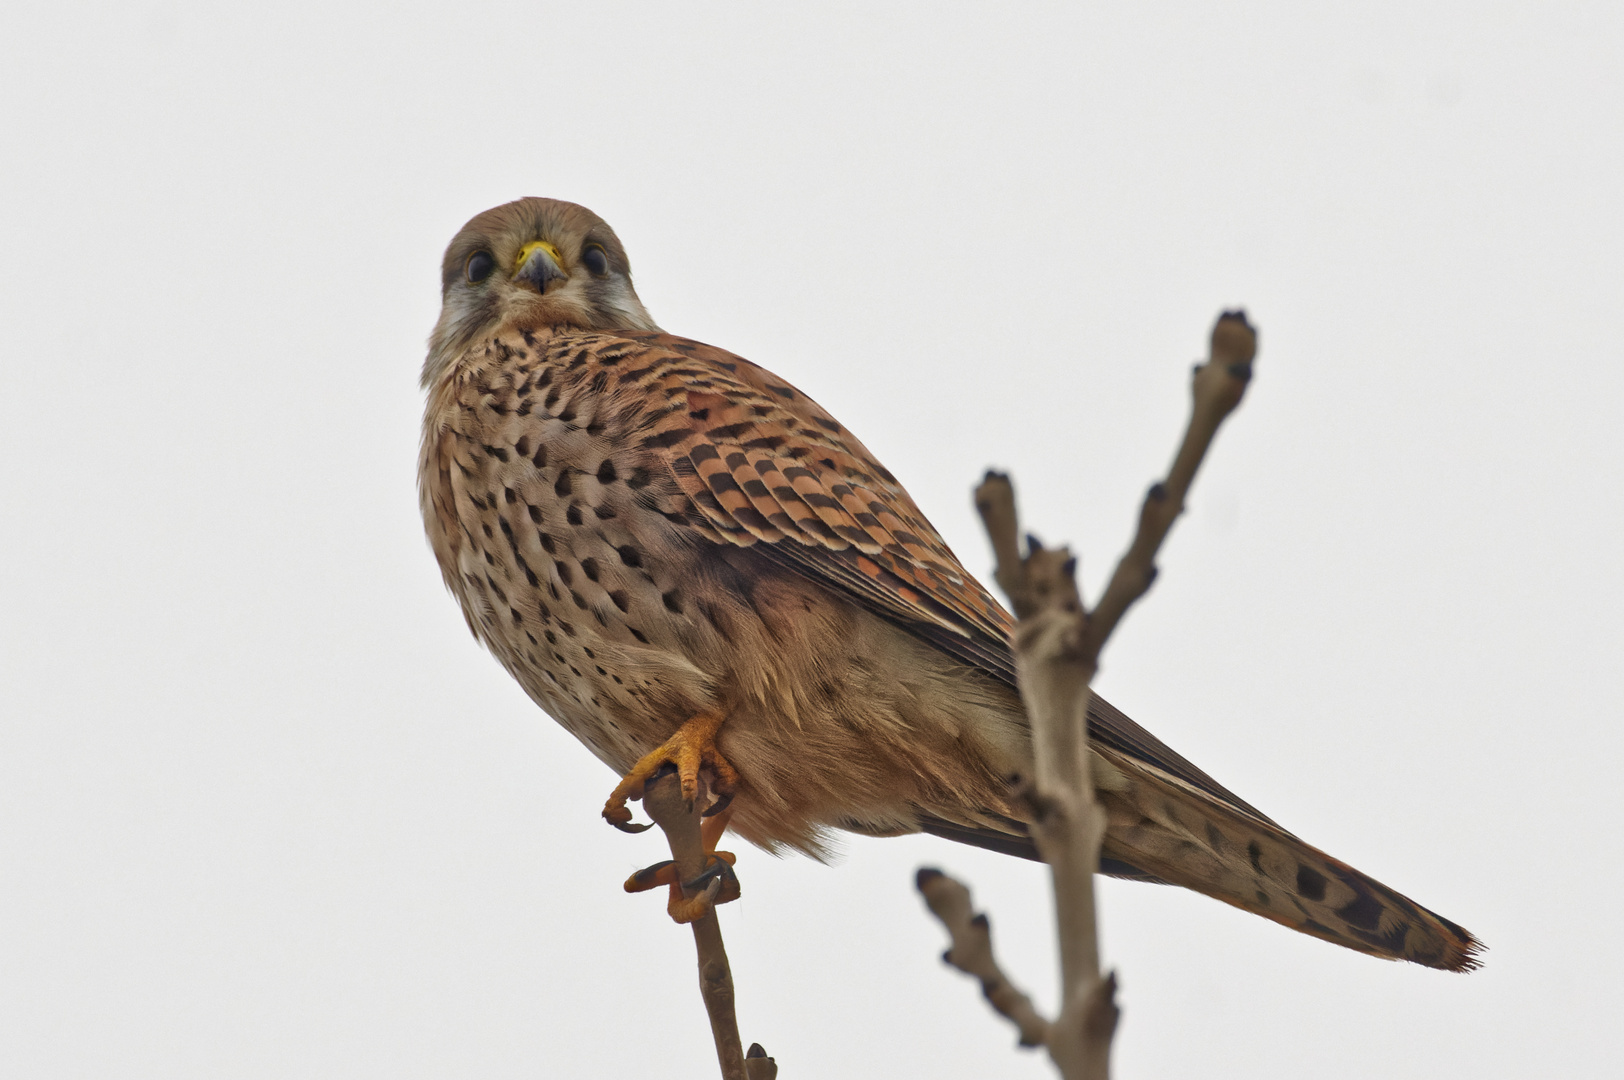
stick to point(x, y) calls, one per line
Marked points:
point(692, 748)
point(716, 884)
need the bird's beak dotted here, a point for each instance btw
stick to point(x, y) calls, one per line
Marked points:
point(539, 263)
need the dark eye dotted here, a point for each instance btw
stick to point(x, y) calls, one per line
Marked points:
point(480, 265)
point(595, 261)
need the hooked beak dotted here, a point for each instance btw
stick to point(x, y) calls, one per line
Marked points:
point(539, 263)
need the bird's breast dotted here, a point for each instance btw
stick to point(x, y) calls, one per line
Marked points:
point(552, 531)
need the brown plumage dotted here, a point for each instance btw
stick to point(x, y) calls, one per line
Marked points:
point(643, 528)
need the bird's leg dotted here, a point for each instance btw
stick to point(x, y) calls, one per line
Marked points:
point(715, 884)
point(715, 824)
point(691, 749)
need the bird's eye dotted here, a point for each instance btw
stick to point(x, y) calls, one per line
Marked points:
point(480, 265)
point(595, 261)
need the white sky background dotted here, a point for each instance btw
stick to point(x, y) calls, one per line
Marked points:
point(267, 811)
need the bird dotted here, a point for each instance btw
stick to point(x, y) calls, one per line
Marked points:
point(682, 558)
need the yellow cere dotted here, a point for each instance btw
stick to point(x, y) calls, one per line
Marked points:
point(524, 254)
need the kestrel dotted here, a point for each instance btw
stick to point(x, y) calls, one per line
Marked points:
point(682, 557)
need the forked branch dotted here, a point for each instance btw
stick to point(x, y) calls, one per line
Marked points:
point(1057, 647)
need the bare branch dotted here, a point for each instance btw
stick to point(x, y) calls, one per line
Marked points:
point(1054, 665)
point(971, 952)
point(680, 821)
point(1216, 388)
point(995, 502)
point(1057, 645)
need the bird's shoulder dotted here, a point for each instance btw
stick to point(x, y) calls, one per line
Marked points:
point(765, 466)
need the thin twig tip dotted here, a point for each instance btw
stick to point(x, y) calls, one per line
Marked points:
point(1234, 338)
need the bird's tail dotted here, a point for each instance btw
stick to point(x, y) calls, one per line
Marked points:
point(1172, 831)
point(1166, 830)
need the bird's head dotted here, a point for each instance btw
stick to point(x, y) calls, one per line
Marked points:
point(532, 264)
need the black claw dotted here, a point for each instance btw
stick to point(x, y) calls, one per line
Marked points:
point(706, 876)
point(722, 803)
point(1033, 543)
point(1157, 492)
point(755, 1051)
point(1150, 577)
point(718, 868)
point(925, 876)
point(1238, 315)
point(1243, 372)
point(643, 876)
point(631, 826)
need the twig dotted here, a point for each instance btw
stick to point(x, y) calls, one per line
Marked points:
point(1216, 389)
point(971, 953)
point(1057, 646)
point(1053, 666)
point(679, 820)
point(758, 1066)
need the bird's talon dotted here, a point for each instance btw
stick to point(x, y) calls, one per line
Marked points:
point(618, 814)
point(688, 753)
point(721, 883)
point(713, 871)
point(691, 909)
point(652, 877)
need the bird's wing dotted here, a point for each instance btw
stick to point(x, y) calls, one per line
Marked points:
point(767, 467)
